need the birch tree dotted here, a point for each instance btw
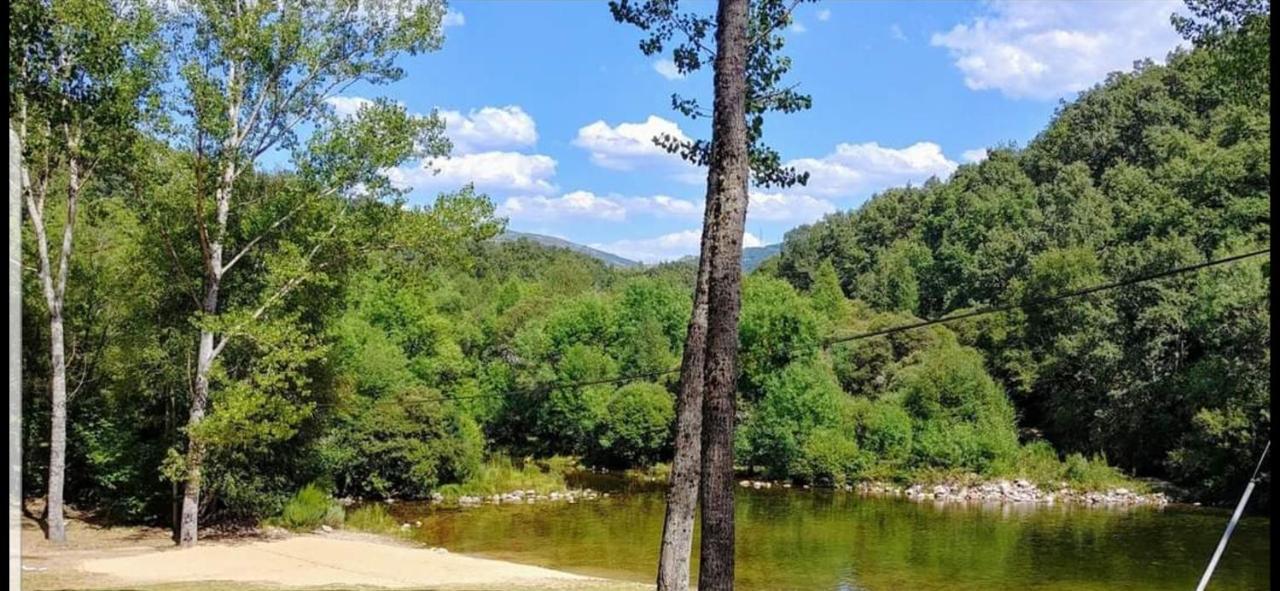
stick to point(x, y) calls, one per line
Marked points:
point(749, 87)
point(80, 72)
point(255, 75)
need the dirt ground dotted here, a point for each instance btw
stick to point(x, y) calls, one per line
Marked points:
point(145, 558)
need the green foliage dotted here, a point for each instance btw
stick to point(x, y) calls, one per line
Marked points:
point(1156, 168)
point(776, 328)
point(502, 475)
point(372, 518)
point(310, 508)
point(635, 429)
point(794, 403)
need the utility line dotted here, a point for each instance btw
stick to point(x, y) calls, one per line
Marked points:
point(1049, 300)
point(1035, 303)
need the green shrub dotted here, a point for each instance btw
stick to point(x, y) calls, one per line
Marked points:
point(636, 427)
point(310, 508)
point(402, 446)
point(828, 456)
point(1095, 474)
point(372, 518)
point(795, 403)
point(884, 430)
point(963, 420)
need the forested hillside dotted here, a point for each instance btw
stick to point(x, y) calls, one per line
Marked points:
point(382, 350)
point(1161, 167)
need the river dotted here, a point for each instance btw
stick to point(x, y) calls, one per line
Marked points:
point(825, 540)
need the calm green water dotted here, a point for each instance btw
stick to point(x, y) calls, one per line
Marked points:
point(795, 539)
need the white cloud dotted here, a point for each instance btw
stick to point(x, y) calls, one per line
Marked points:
point(346, 106)
point(489, 128)
point(578, 204)
point(896, 32)
point(666, 247)
point(1045, 50)
point(667, 69)
point(664, 206)
point(974, 155)
point(784, 207)
point(628, 145)
point(861, 169)
point(588, 205)
point(824, 15)
point(798, 27)
point(453, 18)
point(491, 171)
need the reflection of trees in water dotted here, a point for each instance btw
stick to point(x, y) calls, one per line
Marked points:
point(815, 539)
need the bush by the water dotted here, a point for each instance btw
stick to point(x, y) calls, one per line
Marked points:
point(311, 508)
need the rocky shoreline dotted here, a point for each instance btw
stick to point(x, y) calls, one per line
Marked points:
point(998, 491)
point(522, 497)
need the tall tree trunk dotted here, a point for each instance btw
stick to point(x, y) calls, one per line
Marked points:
point(727, 177)
point(16, 182)
point(682, 494)
point(205, 354)
point(208, 350)
point(54, 518)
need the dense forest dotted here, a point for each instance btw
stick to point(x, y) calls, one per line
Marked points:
point(385, 350)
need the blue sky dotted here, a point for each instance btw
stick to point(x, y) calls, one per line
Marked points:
point(551, 106)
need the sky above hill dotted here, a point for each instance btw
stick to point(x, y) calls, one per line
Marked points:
point(551, 107)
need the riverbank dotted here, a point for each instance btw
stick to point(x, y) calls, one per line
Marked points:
point(145, 558)
point(993, 491)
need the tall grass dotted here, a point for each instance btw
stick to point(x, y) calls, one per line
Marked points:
point(501, 475)
point(372, 518)
point(1038, 462)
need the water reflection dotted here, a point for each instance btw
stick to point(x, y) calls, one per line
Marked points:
point(789, 539)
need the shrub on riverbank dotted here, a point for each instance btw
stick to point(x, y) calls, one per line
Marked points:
point(310, 508)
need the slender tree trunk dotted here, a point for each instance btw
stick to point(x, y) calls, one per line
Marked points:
point(17, 180)
point(207, 349)
point(54, 519)
point(206, 352)
point(682, 495)
point(727, 177)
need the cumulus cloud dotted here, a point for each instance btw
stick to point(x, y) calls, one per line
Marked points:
point(453, 18)
point(588, 205)
point(861, 169)
point(489, 128)
point(784, 207)
point(798, 27)
point(578, 204)
point(489, 171)
point(346, 106)
point(974, 155)
point(666, 247)
point(667, 69)
point(628, 146)
point(824, 15)
point(1045, 50)
point(896, 32)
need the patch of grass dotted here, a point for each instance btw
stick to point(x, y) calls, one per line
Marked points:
point(372, 518)
point(310, 508)
point(1037, 462)
point(660, 472)
point(501, 475)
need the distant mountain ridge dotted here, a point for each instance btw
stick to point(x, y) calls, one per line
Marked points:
point(752, 256)
point(607, 258)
